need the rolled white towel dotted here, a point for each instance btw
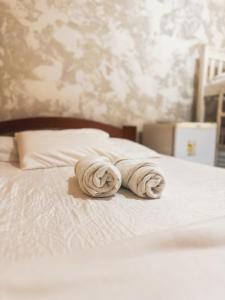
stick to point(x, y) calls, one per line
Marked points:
point(142, 177)
point(97, 176)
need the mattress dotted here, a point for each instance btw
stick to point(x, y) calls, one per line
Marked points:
point(43, 212)
point(56, 243)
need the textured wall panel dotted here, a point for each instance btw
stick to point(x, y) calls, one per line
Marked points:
point(116, 61)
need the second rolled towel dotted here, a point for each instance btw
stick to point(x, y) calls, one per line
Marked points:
point(143, 177)
point(97, 176)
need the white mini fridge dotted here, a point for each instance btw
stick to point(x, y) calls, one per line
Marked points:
point(186, 140)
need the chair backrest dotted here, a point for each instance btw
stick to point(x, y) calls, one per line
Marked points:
point(212, 63)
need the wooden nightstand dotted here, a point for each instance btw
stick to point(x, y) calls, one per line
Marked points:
point(190, 141)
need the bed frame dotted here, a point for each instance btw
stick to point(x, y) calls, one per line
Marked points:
point(212, 64)
point(12, 126)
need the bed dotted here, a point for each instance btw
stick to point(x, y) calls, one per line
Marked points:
point(57, 243)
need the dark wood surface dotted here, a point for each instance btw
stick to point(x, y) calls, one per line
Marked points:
point(12, 126)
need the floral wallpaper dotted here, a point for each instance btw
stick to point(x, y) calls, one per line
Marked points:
point(120, 62)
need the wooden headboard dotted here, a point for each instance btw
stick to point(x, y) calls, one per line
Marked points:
point(11, 126)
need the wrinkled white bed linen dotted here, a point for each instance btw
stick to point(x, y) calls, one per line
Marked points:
point(182, 264)
point(43, 212)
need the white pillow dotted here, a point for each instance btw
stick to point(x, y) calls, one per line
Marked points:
point(55, 148)
point(8, 150)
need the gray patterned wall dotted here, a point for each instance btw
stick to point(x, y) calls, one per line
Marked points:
point(126, 61)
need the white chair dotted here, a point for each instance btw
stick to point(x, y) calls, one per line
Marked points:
point(211, 82)
point(211, 77)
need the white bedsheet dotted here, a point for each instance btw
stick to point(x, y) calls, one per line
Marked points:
point(57, 244)
point(43, 212)
point(183, 264)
